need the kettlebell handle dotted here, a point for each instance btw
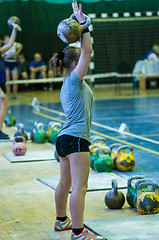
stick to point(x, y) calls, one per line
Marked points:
point(19, 137)
point(87, 19)
point(133, 178)
point(103, 148)
point(123, 147)
point(56, 125)
point(115, 145)
point(141, 181)
point(39, 126)
point(20, 125)
point(95, 138)
point(94, 146)
point(145, 184)
point(114, 185)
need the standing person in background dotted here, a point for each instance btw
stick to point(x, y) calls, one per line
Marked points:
point(153, 55)
point(74, 138)
point(11, 65)
point(22, 67)
point(3, 90)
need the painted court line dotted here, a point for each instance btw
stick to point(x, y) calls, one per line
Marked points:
point(101, 134)
point(105, 127)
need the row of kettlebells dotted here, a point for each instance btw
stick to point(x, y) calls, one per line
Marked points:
point(105, 159)
point(144, 195)
point(38, 135)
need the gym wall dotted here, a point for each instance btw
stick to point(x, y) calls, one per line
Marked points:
point(39, 19)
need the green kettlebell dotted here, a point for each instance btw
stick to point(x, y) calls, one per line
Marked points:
point(114, 199)
point(21, 132)
point(55, 128)
point(131, 190)
point(103, 162)
point(148, 198)
point(93, 155)
point(114, 152)
point(136, 186)
point(9, 120)
point(40, 136)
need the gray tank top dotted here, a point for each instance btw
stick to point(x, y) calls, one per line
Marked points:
point(76, 99)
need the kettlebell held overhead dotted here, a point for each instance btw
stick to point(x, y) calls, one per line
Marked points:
point(12, 21)
point(69, 30)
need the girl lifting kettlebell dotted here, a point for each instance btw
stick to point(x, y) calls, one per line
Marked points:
point(74, 138)
point(3, 90)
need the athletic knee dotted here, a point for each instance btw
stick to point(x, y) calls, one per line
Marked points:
point(80, 188)
point(65, 184)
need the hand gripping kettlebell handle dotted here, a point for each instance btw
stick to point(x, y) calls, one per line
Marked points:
point(18, 28)
point(87, 19)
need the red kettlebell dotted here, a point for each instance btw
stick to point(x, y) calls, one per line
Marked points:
point(19, 146)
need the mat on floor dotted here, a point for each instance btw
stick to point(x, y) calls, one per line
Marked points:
point(96, 181)
point(142, 227)
point(31, 156)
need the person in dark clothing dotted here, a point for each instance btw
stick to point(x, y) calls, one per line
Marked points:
point(23, 67)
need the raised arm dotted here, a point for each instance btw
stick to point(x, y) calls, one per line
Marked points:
point(11, 40)
point(86, 44)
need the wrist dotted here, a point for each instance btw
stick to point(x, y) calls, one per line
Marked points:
point(82, 23)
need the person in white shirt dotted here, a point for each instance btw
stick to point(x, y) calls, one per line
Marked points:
point(153, 55)
point(11, 65)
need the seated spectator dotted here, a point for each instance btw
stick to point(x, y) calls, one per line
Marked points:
point(37, 67)
point(153, 55)
point(22, 67)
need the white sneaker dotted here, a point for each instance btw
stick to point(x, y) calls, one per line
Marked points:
point(61, 226)
point(85, 235)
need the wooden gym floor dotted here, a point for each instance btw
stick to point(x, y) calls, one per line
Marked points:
point(27, 206)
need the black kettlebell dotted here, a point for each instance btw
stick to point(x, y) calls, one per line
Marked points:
point(114, 199)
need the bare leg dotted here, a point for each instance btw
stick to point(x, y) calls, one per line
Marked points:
point(3, 109)
point(8, 79)
point(14, 78)
point(80, 166)
point(62, 190)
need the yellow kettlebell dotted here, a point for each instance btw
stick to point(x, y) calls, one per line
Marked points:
point(148, 198)
point(97, 140)
point(49, 129)
point(125, 161)
point(114, 152)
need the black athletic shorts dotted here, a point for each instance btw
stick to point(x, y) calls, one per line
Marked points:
point(3, 87)
point(11, 66)
point(67, 144)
